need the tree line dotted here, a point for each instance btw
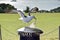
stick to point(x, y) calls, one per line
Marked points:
point(5, 8)
point(36, 9)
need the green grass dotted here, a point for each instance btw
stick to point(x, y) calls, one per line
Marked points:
point(45, 21)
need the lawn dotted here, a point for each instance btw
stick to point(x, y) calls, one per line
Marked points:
point(47, 22)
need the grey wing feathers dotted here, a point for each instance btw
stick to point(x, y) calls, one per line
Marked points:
point(21, 13)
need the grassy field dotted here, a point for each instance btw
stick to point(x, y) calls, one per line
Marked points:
point(48, 22)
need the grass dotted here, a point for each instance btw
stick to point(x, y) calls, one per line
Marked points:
point(45, 21)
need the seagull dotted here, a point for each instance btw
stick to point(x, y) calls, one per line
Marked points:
point(25, 18)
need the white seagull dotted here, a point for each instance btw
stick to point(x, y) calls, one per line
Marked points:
point(24, 17)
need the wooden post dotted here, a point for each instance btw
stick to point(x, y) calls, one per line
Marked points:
point(0, 33)
point(59, 32)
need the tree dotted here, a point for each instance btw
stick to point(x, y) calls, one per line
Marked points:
point(6, 8)
point(55, 10)
point(27, 9)
point(1, 10)
point(35, 9)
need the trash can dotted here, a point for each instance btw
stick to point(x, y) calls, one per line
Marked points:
point(27, 33)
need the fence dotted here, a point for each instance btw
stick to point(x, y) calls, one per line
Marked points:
point(12, 35)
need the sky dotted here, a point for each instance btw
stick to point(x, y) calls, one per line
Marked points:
point(41, 4)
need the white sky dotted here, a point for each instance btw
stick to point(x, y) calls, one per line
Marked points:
point(41, 4)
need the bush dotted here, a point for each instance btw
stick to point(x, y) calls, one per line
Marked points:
point(27, 9)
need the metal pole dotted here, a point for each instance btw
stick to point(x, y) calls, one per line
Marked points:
point(0, 33)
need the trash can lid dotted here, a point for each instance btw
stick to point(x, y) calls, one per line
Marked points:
point(30, 30)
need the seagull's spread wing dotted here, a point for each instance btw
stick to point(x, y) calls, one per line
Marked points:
point(21, 13)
